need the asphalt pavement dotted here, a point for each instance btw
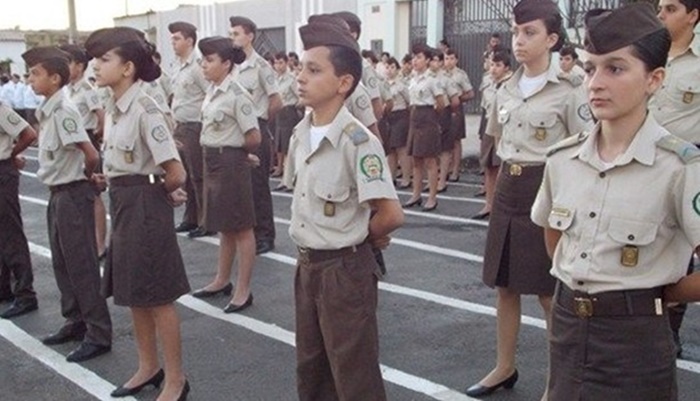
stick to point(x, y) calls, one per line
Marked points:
point(436, 318)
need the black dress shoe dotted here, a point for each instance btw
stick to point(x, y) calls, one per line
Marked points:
point(185, 391)
point(231, 308)
point(225, 290)
point(430, 208)
point(264, 247)
point(20, 307)
point(185, 227)
point(479, 390)
point(154, 381)
point(443, 189)
point(65, 335)
point(6, 298)
point(480, 194)
point(453, 179)
point(416, 202)
point(199, 232)
point(481, 216)
point(87, 351)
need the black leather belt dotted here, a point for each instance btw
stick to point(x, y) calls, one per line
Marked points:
point(321, 255)
point(516, 169)
point(134, 180)
point(67, 186)
point(646, 302)
point(221, 149)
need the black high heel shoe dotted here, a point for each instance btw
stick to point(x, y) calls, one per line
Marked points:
point(416, 202)
point(430, 208)
point(185, 391)
point(232, 308)
point(226, 290)
point(479, 390)
point(154, 381)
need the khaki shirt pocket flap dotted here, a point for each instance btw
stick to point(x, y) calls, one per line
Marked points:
point(560, 218)
point(49, 144)
point(331, 193)
point(125, 144)
point(689, 86)
point(632, 232)
point(541, 120)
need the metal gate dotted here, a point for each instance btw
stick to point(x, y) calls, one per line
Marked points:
point(418, 33)
point(269, 41)
point(577, 8)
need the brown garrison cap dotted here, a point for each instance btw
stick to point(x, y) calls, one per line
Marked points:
point(77, 53)
point(221, 45)
point(351, 19)
point(328, 18)
point(530, 10)
point(327, 30)
point(243, 21)
point(610, 30)
point(182, 26)
point(40, 54)
point(103, 40)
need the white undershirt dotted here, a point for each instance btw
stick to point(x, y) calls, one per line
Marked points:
point(530, 85)
point(317, 134)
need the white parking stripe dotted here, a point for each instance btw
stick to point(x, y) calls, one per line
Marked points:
point(86, 379)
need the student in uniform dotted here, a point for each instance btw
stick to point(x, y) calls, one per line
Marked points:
point(338, 172)
point(427, 102)
point(257, 77)
point(676, 105)
point(398, 125)
point(610, 337)
point(144, 268)
point(568, 59)
point(533, 110)
point(15, 136)
point(86, 99)
point(66, 162)
point(458, 128)
point(447, 117)
point(289, 115)
point(229, 134)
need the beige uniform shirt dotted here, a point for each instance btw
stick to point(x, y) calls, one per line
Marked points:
point(576, 73)
point(424, 88)
point(257, 77)
point(11, 125)
point(60, 129)
point(137, 136)
point(528, 126)
point(287, 85)
point(334, 184)
point(448, 85)
point(371, 80)
point(676, 105)
point(460, 78)
point(629, 226)
point(227, 114)
point(359, 104)
point(155, 90)
point(87, 100)
point(189, 87)
point(399, 93)
point(165, 82)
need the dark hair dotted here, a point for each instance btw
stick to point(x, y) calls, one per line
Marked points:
point(281, 56)
point(157, 56)
point(450, 52)
point(386, 54)
point(439, 55)
point(346, 61)
point(189, 34)
point(424, 50)
point(690, 6)
point(444, 42)
point(653, 49)
point(141, 54)
point(57, 66)
point(554, 24)
point(370, 55)
point(293, 55)
point(247, 28)
point(501, 56)
point(496, 35)
point(235, 55)
point(395, 62)
point(568, 51)
point(407, 58)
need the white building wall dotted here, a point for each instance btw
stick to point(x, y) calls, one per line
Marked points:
point(13, 49)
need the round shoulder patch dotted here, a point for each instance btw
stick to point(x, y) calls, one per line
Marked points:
point(70, 125)
point(270, 79)
point(696, 203)
point(371, 167)
point(584, 112)
point(246, 109)
point(372, 82)
point(362, 102)
point(160, 134)
point(13, 119)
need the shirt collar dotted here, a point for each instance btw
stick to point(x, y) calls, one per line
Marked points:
point(552, 75)
point(52, 103)
point(249, 62)
point(695, 45)
point(224, 86)
point(122, 105)
point(335, 131)
point(190, 59)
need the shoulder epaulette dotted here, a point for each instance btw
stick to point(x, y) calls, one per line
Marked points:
point(567, 143)
point(149, 105)
point(356, 133)
point(575, 80)
point(237, 90)
point(687, 152)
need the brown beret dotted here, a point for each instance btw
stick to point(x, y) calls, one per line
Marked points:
point(222, 46)
point(610, 30)
point(103, 40)
point(530, 10)
point(327, 33)
point(244, 22)
point(351, 19)
point(40, 54)
point(77, 53)
point(182, 26)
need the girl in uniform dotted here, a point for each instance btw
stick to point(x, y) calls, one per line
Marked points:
point(289, 115)
point(398, 124)
point(144, 268)
point(623, 229)
point(229, 133)
point(532, 111)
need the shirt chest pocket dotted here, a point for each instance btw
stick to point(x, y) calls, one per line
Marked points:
point(687, 94)
point(221, 121)
point(331, 201)
point(561, 218)
point(545, 127)
point(631, 237)
point(49, 145)
point(126, 146)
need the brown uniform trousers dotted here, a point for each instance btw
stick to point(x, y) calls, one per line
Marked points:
point(262, 198)
point(71, 226)
point(188, 133)
point(336, 322)
point(14, 252)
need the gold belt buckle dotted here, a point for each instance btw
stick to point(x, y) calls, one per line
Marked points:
point(583, 307)
point(515, 170)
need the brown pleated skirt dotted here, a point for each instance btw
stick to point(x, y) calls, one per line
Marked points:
point(285, 121)
point(424, 132)
point(487, 152)
point(621, 358)
point(398, 128)
point(515, 255)
point(459, 125)
point(228, 191)
point(144, 266)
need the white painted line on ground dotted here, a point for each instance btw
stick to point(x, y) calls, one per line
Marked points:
point(84, 378)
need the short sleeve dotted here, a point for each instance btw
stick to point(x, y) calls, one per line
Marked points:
point(466, 83)
point(289, 175)
point(436, 88)
point(245, 114)
point(69, 126)
point(687, 202)
point(539, 213)
point(158, 136)
point(493, 127)
point(578, 114)
point(372, 172)
point(10, 122)
point(361, 107)
point(371, 82)
point(92, 99)
point(268, 80)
